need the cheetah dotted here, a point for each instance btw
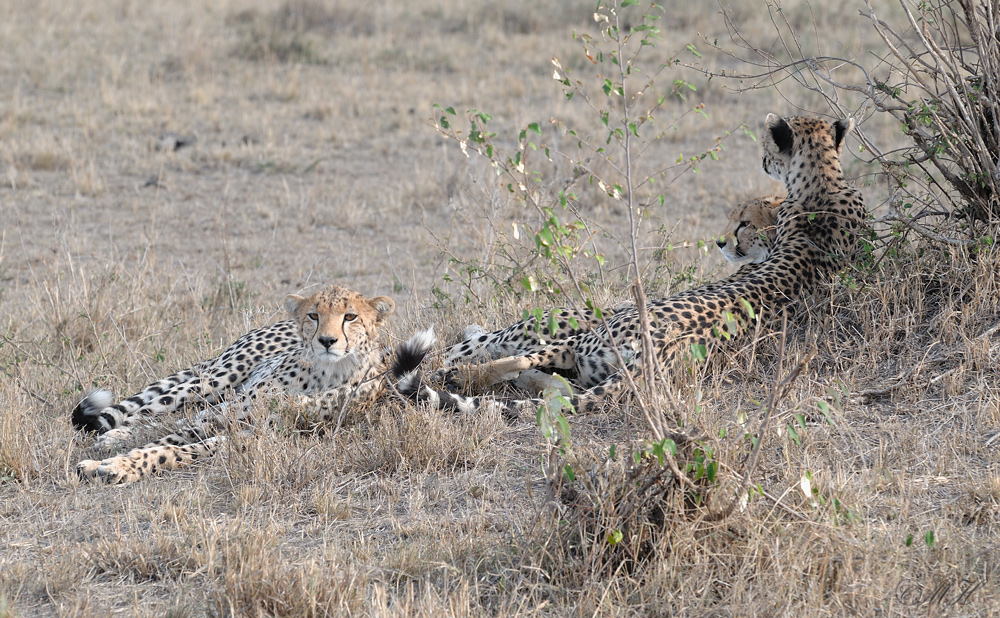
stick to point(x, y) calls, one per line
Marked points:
point(746, 241)
point(326, 356)
point(816, 230)
point(750, 233)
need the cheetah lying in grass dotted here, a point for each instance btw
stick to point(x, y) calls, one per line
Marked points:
point(326, 356)
point(746, 241)
point(815, 233)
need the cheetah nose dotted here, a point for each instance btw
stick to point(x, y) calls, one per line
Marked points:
point(721, 242)
point(326, 342)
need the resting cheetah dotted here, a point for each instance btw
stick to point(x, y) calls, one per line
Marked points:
point(747, 241)
point(327, 355)
point(816, 229)
point(749, 236)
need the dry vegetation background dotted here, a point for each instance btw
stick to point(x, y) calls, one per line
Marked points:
point(121, 261)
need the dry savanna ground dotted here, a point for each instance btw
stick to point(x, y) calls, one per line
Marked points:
point(876, 490)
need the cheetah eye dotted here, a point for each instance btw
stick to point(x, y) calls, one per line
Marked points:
point(313, 316)
point(350, 317)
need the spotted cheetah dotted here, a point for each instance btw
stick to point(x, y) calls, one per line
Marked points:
point(816, 231)
point(750, 232)
point(746, 240)
point(325, 356)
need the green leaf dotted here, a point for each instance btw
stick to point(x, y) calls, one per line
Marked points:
point(699, 351)
point(626, 3)
point(568, 473)
point(691, 48)
point(535, 128)
point(544, 237)
point(450, 110)
point(658, 452)
point(929, 538)
point(563, 426)
point(824, 408)
point(670, 445)
point(615, 537)
point(793, 434)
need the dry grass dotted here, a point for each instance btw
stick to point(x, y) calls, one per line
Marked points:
point(314, 163)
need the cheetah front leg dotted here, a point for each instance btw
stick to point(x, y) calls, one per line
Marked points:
point(150, 459)
point(194, 440)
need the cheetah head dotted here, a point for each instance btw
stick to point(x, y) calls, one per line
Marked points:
point(750, 233)
point(799, 147)
point(335, 322)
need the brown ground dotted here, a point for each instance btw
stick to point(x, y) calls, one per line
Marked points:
point(315, 162)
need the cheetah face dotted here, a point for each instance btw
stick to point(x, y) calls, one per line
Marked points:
point(750, 233)
point(796, 146)
point(336, 322)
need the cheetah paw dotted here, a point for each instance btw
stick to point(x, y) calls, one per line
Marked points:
point(106, 470)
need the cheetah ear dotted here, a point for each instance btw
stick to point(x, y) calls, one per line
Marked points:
point(781, 133)
point(293, 302)
point(383, 307)
point(841, 129)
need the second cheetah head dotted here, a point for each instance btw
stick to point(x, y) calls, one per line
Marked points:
point(750, 233)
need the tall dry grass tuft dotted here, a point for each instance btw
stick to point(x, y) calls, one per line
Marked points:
point(259, 579)
point(19, 436)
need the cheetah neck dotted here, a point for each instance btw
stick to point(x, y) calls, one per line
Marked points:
point(812, 175)
point(324, 371)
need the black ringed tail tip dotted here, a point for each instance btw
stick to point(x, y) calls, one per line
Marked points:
point(88, 414)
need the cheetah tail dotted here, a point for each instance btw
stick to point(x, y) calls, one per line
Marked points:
point(411, 353)
point(90, 414)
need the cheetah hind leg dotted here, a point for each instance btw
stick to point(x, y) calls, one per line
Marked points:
point(535, 382)
point(476, 378)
